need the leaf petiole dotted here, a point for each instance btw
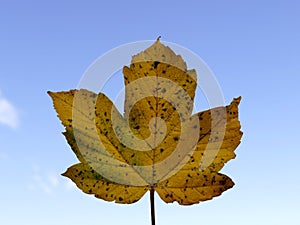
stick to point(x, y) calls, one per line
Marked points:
point(152, 206)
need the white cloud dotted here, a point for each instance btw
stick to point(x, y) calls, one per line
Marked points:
point(41, 181)
point(48, 182)
point(8, 113)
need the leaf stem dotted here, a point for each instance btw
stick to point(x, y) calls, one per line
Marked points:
point(152, 206)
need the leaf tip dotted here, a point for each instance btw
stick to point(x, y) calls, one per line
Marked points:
point(237, 100)
point(64, 174)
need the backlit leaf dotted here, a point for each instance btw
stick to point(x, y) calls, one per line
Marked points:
point(156, 143)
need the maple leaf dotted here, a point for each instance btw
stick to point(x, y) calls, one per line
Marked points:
point(156, 144)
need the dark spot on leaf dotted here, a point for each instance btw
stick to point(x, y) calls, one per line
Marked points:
point(222, 182)
point(213, 180)
point(155, 64)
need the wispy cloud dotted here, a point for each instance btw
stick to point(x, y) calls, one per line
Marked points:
point(47, 182)
point(8, 113)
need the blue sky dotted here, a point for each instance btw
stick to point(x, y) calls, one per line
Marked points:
point(251, 46)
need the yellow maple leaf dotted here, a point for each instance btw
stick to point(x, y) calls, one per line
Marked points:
point(157, 144)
